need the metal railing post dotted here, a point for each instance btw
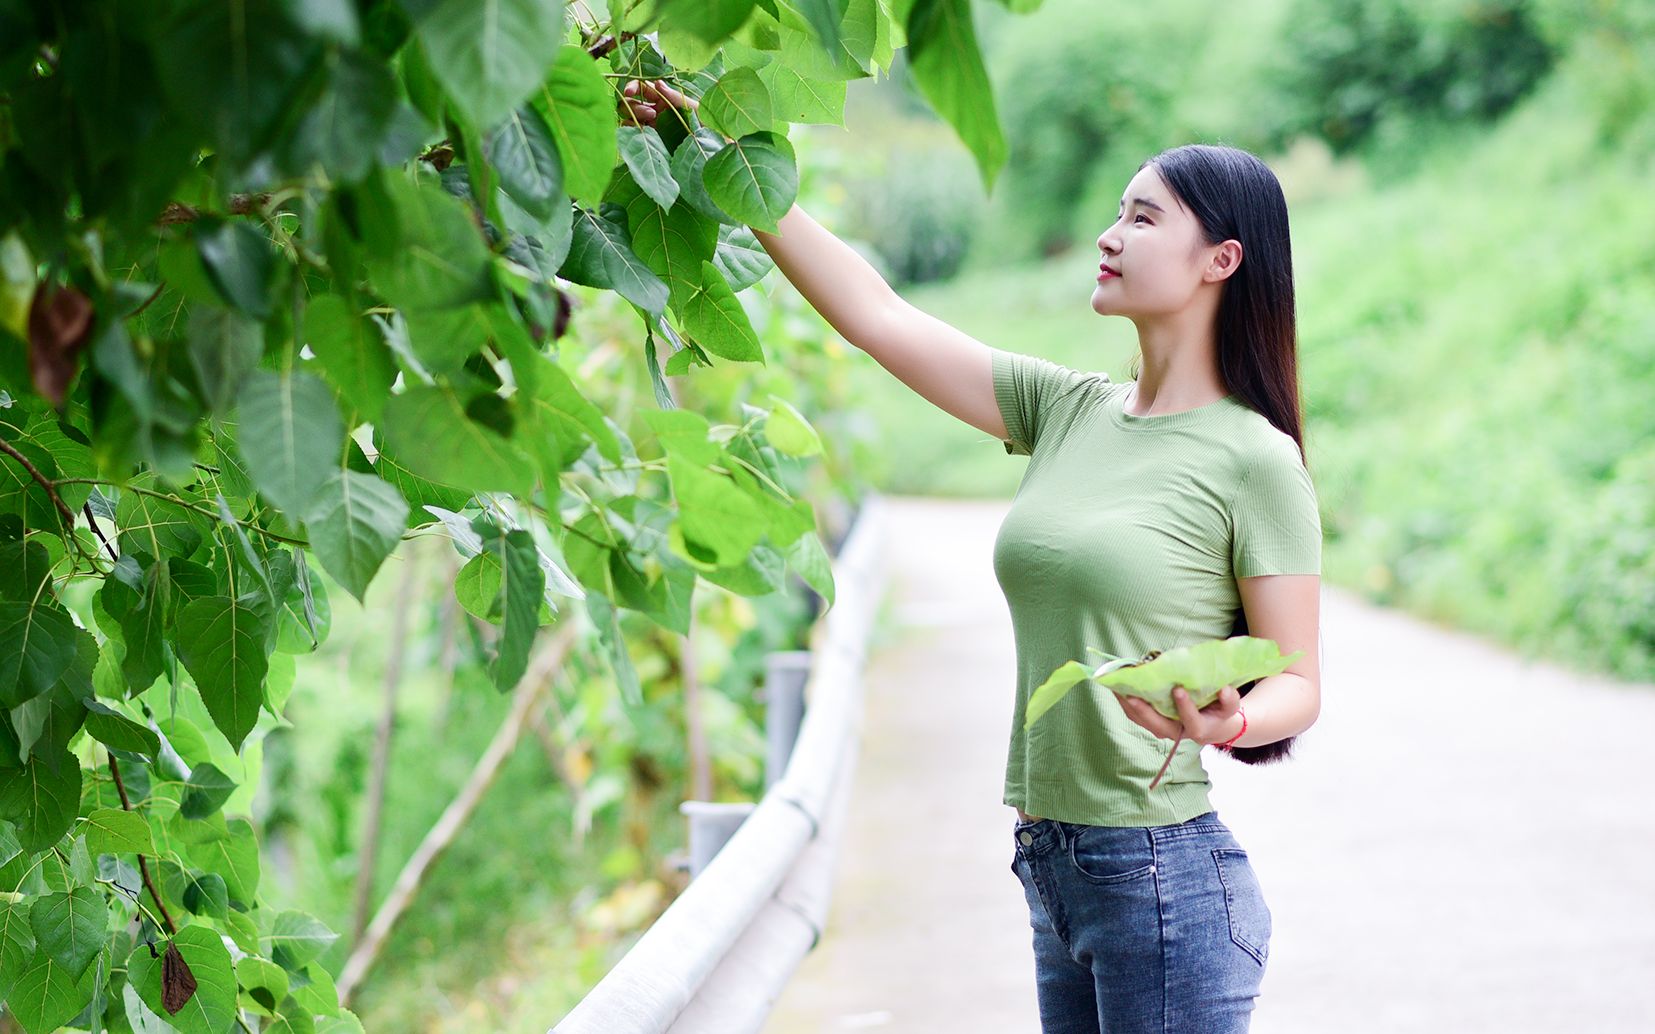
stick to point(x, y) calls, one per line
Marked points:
point(712, 824)
point(785, 674)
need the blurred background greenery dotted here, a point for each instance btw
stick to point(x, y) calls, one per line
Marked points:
point(1472, 195)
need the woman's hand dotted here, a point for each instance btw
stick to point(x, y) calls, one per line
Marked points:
point(642, 101)
point(1211, 724)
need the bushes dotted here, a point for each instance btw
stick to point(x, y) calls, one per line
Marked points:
point(1359, 64)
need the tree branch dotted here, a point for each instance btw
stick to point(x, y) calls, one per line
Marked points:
point(45, 482)
point(143, 868)
point(448, 826)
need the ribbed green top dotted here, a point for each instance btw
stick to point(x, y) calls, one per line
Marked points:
point(1127, 534)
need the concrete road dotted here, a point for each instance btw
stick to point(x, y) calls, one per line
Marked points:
point(1464, 846)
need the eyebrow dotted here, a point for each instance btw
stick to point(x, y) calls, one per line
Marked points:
point(1147, 203)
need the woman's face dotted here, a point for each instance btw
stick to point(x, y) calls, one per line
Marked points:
point(1156, 250)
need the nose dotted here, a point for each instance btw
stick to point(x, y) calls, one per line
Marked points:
point(1108, 243)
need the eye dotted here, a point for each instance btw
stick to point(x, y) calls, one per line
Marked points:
point(1143, 217)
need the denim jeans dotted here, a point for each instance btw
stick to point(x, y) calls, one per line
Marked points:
point(1142, 930)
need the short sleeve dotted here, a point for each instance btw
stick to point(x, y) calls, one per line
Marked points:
point(1027, 388)
point(1277, 524)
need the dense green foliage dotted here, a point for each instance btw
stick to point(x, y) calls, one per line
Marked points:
point(283, 285)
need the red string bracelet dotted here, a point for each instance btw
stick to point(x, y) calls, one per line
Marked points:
point(1226, 744)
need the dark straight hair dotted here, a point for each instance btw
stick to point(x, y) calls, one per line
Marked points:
point(1234, 195)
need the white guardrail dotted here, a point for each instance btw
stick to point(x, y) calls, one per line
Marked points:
point(717, 959)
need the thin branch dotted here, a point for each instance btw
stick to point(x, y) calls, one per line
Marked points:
point(546, 666)
point(186, 504)
point(45, 482)
point(87, 508)
point(143, 868)
point(369, 854)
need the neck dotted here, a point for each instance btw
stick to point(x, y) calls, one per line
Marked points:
point(1180, 364)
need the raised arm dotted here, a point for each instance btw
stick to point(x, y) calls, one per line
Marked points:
point(945, 365)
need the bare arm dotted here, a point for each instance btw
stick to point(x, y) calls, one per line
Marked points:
point(942, 363)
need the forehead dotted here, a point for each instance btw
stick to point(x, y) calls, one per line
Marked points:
point(1149, 185)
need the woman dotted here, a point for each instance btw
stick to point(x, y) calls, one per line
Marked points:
point(1169, 509)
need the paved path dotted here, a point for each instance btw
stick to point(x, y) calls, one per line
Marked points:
point(1465, 847)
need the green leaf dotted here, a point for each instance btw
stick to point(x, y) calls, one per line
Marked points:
point(264, 981)
point(824, 17)
point(1203, 669)
point(741, 258)
point(24, 570)
point(579, 108)
point(565, 419)
point(241, 263)
point(672, 243)
point(355, 521)
point(738, 103)
point(521, 586)
point(42, 799)
point(523, 152)
point(946, 63)
point(71, 927)
point(689, 161)
point(221, 643)
point(352, 354)
point(296, 938)
point(490, 54)
point(205, 791)
point(715, 514)
point(810, 561)
point(211, 1009)
point(202, 893)
point(155, 526)
point(16, 942)
point(114, 729)
point(711, 21)
point(224, 347)
point(650, 164)
point(46, 996)
point(1053, 689)
point(434, 255)
point(430, 432)
point(37, 645)
point(755, 179)
point(21, 494)
point(798, 98)
point(291, 435)
point(235, 858)
point(713, 316)
point(347, 118)
point(788, 430)
point(601, 255)
point(114, 831)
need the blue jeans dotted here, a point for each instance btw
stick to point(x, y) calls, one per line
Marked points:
point(1157, 930)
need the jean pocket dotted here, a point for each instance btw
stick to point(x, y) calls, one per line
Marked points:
point(1101, 862)
point(1244, 902)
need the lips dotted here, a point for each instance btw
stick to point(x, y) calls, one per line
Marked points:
point(1104, 270)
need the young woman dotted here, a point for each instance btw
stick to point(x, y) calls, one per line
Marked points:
point(1168, 509)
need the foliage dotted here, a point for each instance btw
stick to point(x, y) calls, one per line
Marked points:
point(283, 285)
point(1355, 65)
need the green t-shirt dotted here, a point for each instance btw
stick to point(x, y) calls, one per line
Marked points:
point(1127, 534)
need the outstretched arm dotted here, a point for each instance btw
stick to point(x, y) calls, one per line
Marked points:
point(943, 364)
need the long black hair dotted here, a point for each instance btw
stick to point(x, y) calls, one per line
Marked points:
point(1234, 195)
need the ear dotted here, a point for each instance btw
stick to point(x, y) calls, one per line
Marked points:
point(1226, 259)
